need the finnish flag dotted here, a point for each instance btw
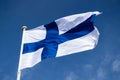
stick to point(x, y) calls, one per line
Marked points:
point(64, 36)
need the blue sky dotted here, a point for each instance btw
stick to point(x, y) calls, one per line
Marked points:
point(101, 63)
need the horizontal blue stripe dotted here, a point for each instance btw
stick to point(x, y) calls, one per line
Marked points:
point(53, 39)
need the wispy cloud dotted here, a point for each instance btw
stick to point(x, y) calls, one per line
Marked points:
point(7, 77)
point(71, 76)
point(116, 65)
point(101, 74)
point(88, 66)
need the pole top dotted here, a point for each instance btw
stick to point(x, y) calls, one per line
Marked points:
point(24, 27)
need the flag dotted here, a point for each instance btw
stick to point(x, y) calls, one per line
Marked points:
point(64, 36)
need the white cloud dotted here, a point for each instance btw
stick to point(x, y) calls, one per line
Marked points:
point(101, 74)
point(71, 76)
point(88, 66)
point(7, 77)
point(107, 59)
point(116, 65)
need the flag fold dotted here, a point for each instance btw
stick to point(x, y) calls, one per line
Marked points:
point(64, 36)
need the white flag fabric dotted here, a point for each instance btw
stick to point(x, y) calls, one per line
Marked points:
point(64, 36)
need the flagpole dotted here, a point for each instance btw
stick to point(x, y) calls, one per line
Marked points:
point(19, 71)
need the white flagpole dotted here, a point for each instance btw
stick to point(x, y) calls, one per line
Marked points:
point(19, 71)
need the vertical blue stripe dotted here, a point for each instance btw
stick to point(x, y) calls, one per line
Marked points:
point(50, 49)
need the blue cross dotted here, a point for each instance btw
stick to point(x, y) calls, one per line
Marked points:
point(53, 39)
